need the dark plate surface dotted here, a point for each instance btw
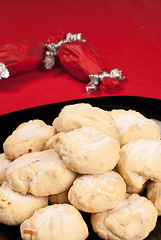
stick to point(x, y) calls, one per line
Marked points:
point(8, 122)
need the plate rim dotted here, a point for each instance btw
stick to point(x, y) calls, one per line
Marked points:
point(142, 98)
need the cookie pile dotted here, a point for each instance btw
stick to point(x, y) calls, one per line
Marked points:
point(89, 160)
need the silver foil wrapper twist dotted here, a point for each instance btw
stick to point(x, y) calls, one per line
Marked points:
point(52, 48)
point(97, 79)
point(4, 73)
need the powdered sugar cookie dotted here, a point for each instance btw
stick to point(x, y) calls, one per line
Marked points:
point(82, 114)
point(96, 193)
point(16, 207)
point(132, 125)
point(154, 194)
point(140, 160)
point(58, 221)
point(4, 162)
point(133, 219)
point(59, 198)
point(28, 137)
point(88, 150)
point(40, 173)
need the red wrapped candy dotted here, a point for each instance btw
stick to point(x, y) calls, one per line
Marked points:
point(76, 56)
point(22, 56)
point(82, 62)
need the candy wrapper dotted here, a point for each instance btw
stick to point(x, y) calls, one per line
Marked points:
point(75, 54)
point(81, 61)
point(20, 57)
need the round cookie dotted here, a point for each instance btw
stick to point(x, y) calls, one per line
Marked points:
point(140, 160)
point(154, 194)
point(59, 198)
point(132, 125)
point(88, 150)
point(4, 163)
point(28, 137)
point(40, 173)
point(96, 193)
point(16, 207)
point(58, 221)
point(133, 219)
point(83, 114)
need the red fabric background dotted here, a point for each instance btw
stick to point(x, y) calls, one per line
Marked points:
point(126, 34)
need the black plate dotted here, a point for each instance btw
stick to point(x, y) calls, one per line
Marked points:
point(8, 122)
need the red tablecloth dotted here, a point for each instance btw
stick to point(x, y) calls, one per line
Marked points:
point(126, 34)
